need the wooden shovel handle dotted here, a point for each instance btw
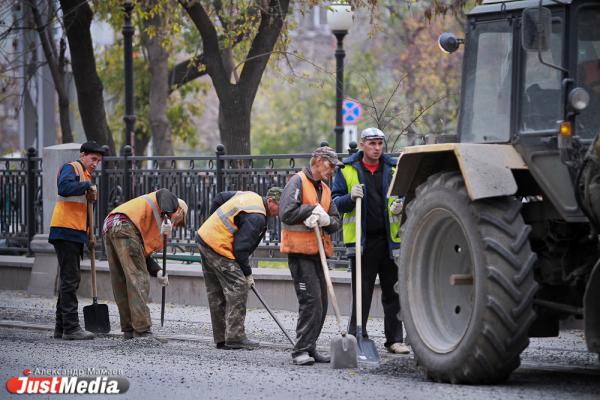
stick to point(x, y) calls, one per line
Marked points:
point(92, 247)
point(358, 262)
point(328, 280)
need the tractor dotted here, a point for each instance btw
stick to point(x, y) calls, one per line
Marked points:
point(500, 233)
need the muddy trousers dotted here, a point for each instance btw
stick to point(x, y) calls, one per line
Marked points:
point(227, 292)
point(129, 276)
point(376, 261)
point(311, 290)
point(69, 257)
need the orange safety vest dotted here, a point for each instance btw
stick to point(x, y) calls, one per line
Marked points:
point(71, 211)
point(299, 238)
point(218, 230)
point(145, 213)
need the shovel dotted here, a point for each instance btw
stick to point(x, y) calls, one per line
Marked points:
point(342, 349)
point(367, 352)
point(164, 289)
point(273, 315)
point(95, 315)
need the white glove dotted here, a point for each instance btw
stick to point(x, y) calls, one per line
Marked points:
point(166, 228)
point(162, 280)
point(397, 206)
point(324, 219)
point(250, 281)
point(357, 192)
point(312, 221)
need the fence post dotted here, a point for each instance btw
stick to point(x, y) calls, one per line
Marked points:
point(352, 147)
point(31, 189)
point(220, 164)
point(126, 173)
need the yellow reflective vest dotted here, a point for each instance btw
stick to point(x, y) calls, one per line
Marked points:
point(145, 214)
point(349, 220)
point(219, 229)
point(71, 211)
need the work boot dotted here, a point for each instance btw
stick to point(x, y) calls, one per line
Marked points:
point(246, 344)
point(128, 335)
point(78, 334)
point(321, 357)
point(58, 333)
point(148, 335)
point(398, 348)
point(221, 346)
point(303, 359)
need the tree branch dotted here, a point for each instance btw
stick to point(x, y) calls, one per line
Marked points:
point(210, 44)
point(262, 46)
point(186, 71)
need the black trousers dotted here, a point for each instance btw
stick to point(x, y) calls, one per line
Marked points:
point(311, 291)
point(376, 261)
point(69, 258)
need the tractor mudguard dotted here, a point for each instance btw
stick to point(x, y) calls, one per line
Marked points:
point(486, 168)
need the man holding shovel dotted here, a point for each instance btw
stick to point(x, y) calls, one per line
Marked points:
point(367, 175)
point(236, 226)
point(68, 234)
point(306, 203)
point(132, 232)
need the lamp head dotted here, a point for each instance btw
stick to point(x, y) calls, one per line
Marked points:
point(339, 17)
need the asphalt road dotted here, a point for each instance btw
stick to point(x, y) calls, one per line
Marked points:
point(189, 366)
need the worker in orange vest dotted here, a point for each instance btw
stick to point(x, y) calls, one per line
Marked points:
point(235, 228)
point(68, 235)
point(306, 203)
point(132, 232)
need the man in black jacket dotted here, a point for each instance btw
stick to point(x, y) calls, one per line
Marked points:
point(226, 240)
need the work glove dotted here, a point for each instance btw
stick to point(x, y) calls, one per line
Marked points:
point(357, 192)
point(92, 193)
point(324, 219)
point(250, 280)
point(166, 228)
point(162, 280)
point(312, 221)
point(397, 206)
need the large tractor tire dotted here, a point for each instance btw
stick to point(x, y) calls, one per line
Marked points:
point(466, 282)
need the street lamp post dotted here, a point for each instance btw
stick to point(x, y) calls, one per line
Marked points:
point(128, 31)
point(339, 19)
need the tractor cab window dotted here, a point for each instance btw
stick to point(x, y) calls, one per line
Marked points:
point(541, 101)
point(588, 69)
point(485, 115)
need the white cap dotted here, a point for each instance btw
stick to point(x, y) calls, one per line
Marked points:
point(372, 133)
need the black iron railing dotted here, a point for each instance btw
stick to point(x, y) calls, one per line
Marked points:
point(195, 179)
point(21, 211)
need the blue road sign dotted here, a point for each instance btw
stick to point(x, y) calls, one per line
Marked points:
point(351, 111)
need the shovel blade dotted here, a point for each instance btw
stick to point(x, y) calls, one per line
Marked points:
point(367, 352)
point(96, 319)
point(343, 350)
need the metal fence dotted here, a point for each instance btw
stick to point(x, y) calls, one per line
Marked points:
point(21, 212)
point(195, 179)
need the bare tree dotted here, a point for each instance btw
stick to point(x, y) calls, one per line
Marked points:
point(77, 19)
point(44, 19)
point(236, 99)
point(158, 57)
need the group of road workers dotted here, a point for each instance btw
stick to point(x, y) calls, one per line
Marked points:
point(236, 226)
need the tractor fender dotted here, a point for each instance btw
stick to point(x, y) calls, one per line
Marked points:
point(486, 168)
